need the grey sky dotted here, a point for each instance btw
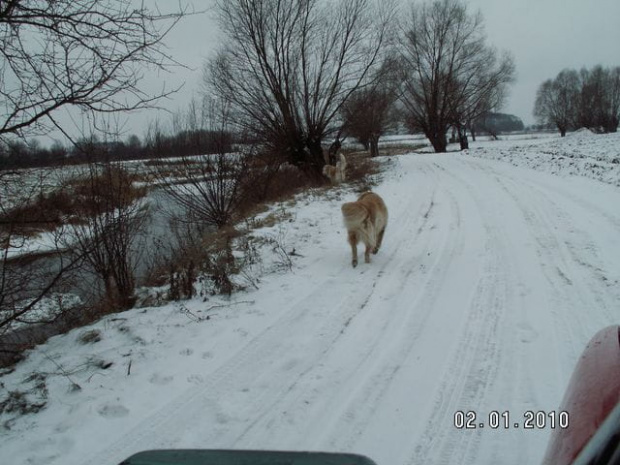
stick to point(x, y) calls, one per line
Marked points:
point(544, 36)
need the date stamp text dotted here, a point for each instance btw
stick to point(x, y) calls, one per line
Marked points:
point(496, 419)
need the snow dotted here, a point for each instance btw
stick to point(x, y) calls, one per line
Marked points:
point(580, 153)
point(44, 242)
point(46, 309)
point(491, 280)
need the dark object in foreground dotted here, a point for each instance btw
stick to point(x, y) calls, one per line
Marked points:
point(243, 457)
point(592, 400)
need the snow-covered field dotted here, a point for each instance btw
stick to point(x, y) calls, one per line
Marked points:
point(580, 153)
point(491, 280)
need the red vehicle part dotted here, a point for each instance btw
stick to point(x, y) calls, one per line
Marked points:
point(592, 393)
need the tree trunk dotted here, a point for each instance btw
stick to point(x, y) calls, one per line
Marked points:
point(333, 150)
point(440, 145)
point(464, 142)
point(439, 141)
point(436, 134)
point(111, 290)
point(612, 125)
point(374, 145)
point(562, 132)
point(453, 136)
point(119, 291)
point(315, 161)
point(463, 138)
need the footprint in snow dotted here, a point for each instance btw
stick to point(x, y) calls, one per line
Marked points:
point(49, 449)
point(195, 379)
point(113, 411)
point(160, 380)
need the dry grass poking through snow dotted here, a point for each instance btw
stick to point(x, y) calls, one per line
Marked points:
point(226, 260)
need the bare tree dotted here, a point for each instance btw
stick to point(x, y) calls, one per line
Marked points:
point(208, 187)
point(589, 98)
point(591, 107)
point(557, 100)
point(89, 54)
point(289, 65)
point(613, 90)
point(451, 73)
point(599, 101)
point(481, 91)
point(112, 222)
point(369, 111)
point(206, 195)
point(29, 275)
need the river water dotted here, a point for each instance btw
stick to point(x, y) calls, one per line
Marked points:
point(152, 247)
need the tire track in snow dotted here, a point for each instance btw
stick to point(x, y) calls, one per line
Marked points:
point(325, 374)
point(201, 404)
point(414, 306)
point(547, 247)
point(393, 370)
point(473, 366)
point(350, 374)
point(562, 244)
point(529, 309)
point(591, 275)
point(570, 261)
point(357, 376)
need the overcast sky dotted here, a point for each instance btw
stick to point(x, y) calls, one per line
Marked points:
point(544, 36)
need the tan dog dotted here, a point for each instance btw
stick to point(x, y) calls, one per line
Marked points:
point(365, 221)
point(336, 174)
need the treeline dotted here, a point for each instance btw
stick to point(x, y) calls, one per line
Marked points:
point(496, 123)
point(589, 98)
point(19, 154)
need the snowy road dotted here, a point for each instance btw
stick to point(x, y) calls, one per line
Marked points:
point(491, 280)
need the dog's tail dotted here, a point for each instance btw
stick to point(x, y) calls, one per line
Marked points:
point(354, 215)
point(343, 160)
point(357, 218)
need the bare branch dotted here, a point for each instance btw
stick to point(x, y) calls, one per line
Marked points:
point(289, 65)
point(452, 76)
point(89, 54)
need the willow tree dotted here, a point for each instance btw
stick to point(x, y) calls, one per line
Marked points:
point(287, 67)
point(370, 111)
point(598, 106)
point(557, 101)
point(452, 75)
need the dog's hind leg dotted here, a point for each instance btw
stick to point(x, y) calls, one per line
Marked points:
point(379, 241)
point(353, 242)
point(369, 241)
